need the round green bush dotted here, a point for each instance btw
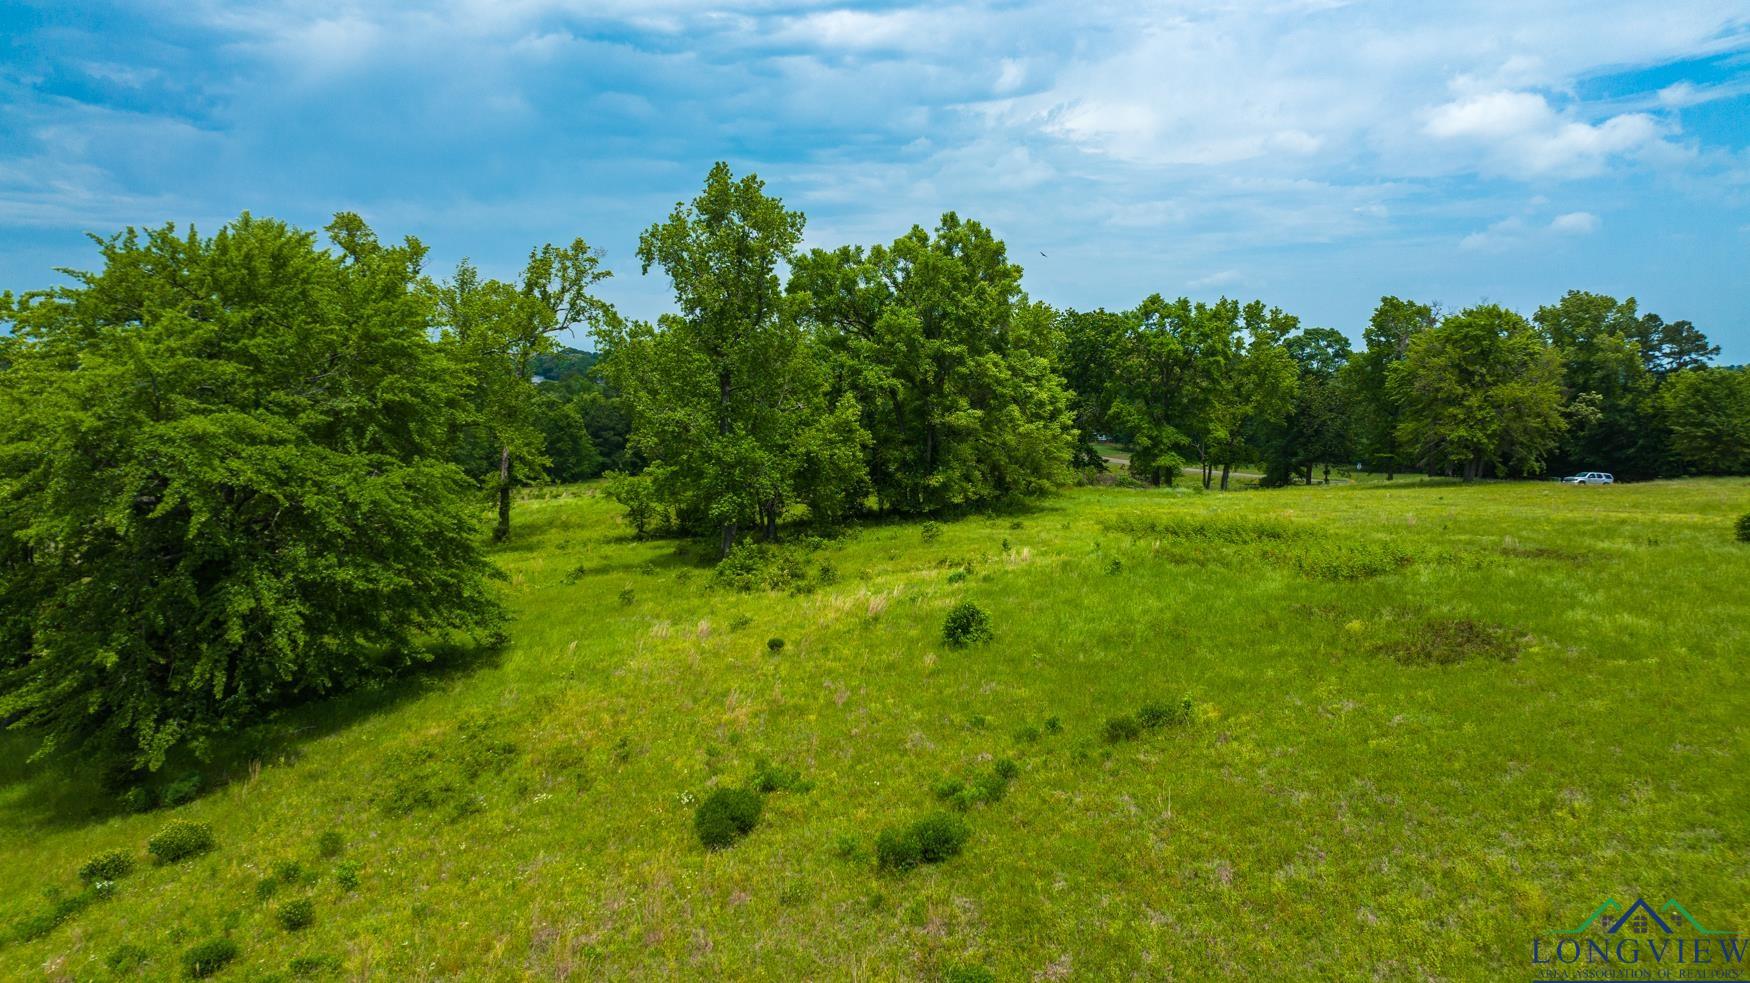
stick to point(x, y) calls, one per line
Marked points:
point(727, 815)
point(297, 914)
point(179, 840)
point(930, 840)
point(330, 843)
point(1124, 728)
point(940, 836)
point(1744, 528)
point(775, 644)
point(111, 865)
point(967, 623)
point(208, 957)
point(897, 848)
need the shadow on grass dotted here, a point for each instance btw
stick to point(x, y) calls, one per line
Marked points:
point(65, 790)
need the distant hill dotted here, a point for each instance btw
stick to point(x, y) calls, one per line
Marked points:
point(564, 365)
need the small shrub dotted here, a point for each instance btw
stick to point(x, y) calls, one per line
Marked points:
point(968, 974)
point(138, 799)
point(958, 575)
point(179, 841)
point(940, 836)
point(828, 574)
point(931, 531)
point(330, 843)
point(297, 914)
point(846, 847)
point(768, 778)
point(111, 865)
point(1155, 714)
point(346, 874)
point(739, 622)
point(266, 888)
point(966, 624)
point(726, 815)
point(931, 840)
point(761, 566)
point(1053, 725)
point(1744, 528)
point(1114, 566)
point(208, 957)
point(981, 789)
point(60, 909)
point(125, 958)
point(1123, 728)
point(1027, 734)
point(949, 787)
point(636, 493)
point(314, 967)
point(288, 871)
point(898, 849)
point(628, 597)
point(774, 645)
point(184, 789)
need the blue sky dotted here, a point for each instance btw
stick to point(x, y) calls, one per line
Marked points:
point(1314, 153)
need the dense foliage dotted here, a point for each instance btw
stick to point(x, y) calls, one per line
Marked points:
point(729, 398)
point(223, 482)
point(932, 339)
point(1588, 383)
point(241, 469)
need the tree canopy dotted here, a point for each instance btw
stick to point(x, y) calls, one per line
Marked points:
point(949, 363)
point(224, 482)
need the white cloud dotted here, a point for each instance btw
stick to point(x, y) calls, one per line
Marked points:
point(1217, 279)
point(1574, 223)
point(1520, 134)
point(1520, 230)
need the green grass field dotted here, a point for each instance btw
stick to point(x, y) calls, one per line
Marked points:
point(1430, 721)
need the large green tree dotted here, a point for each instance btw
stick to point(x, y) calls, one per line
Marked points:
point(728, 398)
point(1090, 343)
point(951, 365)
point(1482, 389)
point(1317, 428)
point(1375, 410)
point(1257, 390)
point(223, 483)
point(1707, 413)
point(500, 332)
point(1166, 374)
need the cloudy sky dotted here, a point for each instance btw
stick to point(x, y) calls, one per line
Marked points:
point(1314, 153)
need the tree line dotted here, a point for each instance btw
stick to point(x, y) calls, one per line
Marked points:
point(1588, 382)
point(244, 468)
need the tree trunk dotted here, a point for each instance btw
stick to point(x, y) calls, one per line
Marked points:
point(502, 532)
point(1309, 474)
point(728, 539)
point(1224, 470)
point(1327, 474)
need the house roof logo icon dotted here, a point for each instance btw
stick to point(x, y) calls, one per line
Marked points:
point(1640, 918)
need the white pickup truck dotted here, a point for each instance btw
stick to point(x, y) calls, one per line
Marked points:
point(1590, 478)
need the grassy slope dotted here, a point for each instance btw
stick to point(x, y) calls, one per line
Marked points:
point(1335, 810)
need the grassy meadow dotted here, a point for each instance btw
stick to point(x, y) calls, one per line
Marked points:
point(1428, 721)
